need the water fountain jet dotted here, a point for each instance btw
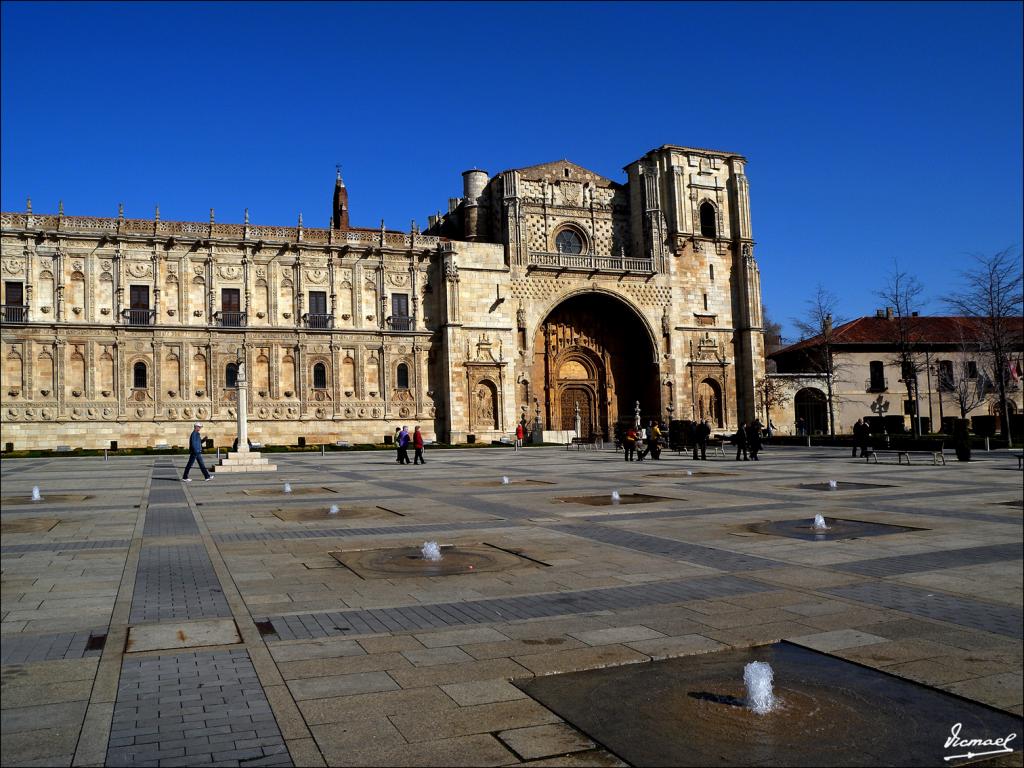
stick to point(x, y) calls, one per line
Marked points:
point(819, 523)
point(504, 479)
point(287, 487)
point(333, 510)
point(616, 498)
point(430, 551)
point(832, 485)
point(35, 493)
point(757, 678)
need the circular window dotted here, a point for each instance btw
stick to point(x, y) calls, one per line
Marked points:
point(568, 241)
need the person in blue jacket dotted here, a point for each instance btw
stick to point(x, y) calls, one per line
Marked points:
point(195, 453)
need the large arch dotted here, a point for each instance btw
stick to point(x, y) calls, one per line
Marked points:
point(596, 351)
point(810, 404)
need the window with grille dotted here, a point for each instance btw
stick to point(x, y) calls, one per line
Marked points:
point(139, 376)
point(231, 375)
point(402, 376)
point(319, 376)
point(568, 241)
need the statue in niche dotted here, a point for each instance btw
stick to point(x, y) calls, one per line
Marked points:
point(484, 407)
point(521, 317)
point(665, 329)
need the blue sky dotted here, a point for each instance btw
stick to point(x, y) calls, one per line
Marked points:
point(874, 131)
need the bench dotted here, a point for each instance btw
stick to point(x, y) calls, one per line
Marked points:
point(933, 448)
point(716, 447)
point(583, 442)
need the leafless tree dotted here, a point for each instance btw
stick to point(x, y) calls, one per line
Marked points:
point(772, 338)
point(819, 324)
point(967, 391)
point(903, 294)
point(774, 393)
point(993, 294)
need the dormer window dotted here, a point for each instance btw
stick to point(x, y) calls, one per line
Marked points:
point(568, 241)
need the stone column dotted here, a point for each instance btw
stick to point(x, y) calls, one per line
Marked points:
point(243, 409)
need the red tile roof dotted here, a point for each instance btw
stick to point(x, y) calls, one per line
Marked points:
point(923, 330)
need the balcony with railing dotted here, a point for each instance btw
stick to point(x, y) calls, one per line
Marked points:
point(588, 262)
point(14, 313)
point(230, 319)
point(139, 316)
point(396, 323)
point(876, 384)
point(319, 321)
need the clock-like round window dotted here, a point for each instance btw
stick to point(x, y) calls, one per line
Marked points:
point(568, 241)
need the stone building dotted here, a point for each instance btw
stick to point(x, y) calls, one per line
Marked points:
point(541, 290)
point(953, 376)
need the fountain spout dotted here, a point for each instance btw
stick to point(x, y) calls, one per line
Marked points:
point(757, 677)
point(431, 551)
point(35, 493)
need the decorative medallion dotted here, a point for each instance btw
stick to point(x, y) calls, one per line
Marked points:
point(398, 278)
point(229, 271)
point(317, 276)
point(138, 269)
point(13, 266)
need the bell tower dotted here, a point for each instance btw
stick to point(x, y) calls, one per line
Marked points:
point(339, 210)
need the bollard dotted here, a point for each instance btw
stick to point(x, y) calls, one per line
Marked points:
point(218, 454)
point(808, 441)
point(986, 445)
point(104, 454)
point(322, 450)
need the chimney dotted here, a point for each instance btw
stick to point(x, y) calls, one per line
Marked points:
point(913, 314)
point(828, 324)
point(879, 313)
point(888, 313)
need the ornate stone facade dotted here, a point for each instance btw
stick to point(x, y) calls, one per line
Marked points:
point(540, 289)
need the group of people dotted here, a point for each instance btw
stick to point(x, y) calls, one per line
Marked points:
point(748, 440)
point(402, 441)
point(650, 438)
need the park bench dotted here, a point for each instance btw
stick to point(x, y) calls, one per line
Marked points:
point(716, 447)
point(583, 442)
point(933, 448)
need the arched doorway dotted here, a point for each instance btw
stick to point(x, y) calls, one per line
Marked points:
point(810, 405)
point(595, 351)
point(709, 402)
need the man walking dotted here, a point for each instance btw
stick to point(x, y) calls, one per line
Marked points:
point(629, 443)
point(403, 446)
point(740, 438)
point(754, 439)
point(703, 433)
point(195, 453)
point(417, 444)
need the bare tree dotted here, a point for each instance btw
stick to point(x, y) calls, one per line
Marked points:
point(772, 338)
point(903, 295)
point(967, 391)
point(774, 393)
point(992, 294)
point(818, 325)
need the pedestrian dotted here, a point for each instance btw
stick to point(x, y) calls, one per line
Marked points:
point(771, 429)
point(740, 438)
point(865, 437)
point(629, 443)
point(417, 444)
point(520, 434)
point(801, 427)
point(654, 441)
point(856, 437)
point(754, 439)
point(195, 453)
point(703, 433)
point(403, 446)
point(398, 457)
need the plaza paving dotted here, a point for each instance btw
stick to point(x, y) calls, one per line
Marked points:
point(161, 623)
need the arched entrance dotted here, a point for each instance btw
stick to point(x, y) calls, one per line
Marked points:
point(594, 351)
point(810, 405)
point(709, 402)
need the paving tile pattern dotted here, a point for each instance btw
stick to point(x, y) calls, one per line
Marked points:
point(327, 533)
point(176, 582)
point(24, 649)
point(193, 709)
point(721, 559)
point(987, 617)
point(439, 615)
point(933, 561)
point(65, 546)
point(170, 521)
